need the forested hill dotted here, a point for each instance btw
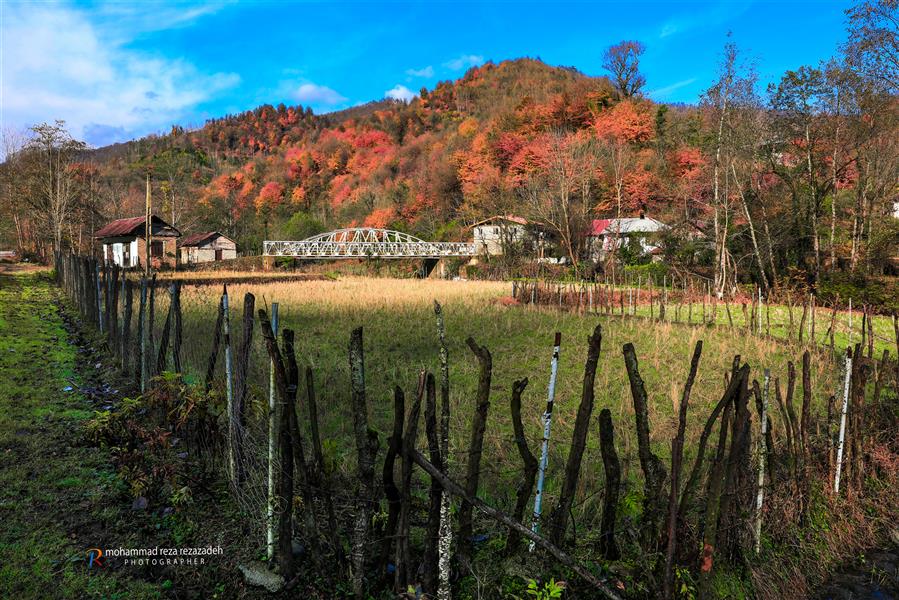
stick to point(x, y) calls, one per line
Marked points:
point(457, 152)
point(800, 177)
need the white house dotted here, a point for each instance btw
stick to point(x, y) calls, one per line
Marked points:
point(494, 235)
point(607, 235)
point(206, 247)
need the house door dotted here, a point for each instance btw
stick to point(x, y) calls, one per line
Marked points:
point(218, 255)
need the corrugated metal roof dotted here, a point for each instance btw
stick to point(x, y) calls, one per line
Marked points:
point(509, 218)
point(198, 238)
point(130, 226)
point(627, 225)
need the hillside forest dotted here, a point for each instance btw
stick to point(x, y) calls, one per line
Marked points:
point(796, 181)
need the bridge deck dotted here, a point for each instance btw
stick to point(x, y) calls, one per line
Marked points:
point(366, 243)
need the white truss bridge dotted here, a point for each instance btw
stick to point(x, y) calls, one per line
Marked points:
point(366, 243)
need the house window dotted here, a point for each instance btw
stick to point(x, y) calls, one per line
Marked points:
point(156, 249)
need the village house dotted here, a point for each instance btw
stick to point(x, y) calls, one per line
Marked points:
point(607, 235)
point(123, 242)
point(206, 247)
point(496, 235)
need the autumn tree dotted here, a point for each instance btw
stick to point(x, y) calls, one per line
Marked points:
point(622, 61)
point(873, 47)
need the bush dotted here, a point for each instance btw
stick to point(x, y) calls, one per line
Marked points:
point(654, 270)
point(882, 294)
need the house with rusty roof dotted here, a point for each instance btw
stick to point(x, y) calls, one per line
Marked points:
point(206, 247)
point(124, 242)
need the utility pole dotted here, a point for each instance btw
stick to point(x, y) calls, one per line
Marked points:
point(147, 230)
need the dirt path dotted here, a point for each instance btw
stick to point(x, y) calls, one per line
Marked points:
point(58, 497)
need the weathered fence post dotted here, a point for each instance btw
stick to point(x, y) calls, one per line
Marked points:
point(142, 334)
point(176, 326)
point(272, 444)
point(653, 470)
point(677, 456)
point(763, 457)
point(366, 448)
point(403, 556)
point(99, 297)
point(476, 445)
point(578, 439)
point(126, 326)
point(430, 559)
point(608, 548)
point(547, 426)
point(526, 485)
point(286, 390)
point(446, 531)
point(232, 426)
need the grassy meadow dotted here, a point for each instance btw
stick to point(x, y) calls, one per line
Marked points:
point(400, 339)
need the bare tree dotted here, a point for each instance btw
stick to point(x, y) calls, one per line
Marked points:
point(55, 183)
point(623, 61)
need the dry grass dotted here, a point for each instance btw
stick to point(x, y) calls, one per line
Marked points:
point(400, 339)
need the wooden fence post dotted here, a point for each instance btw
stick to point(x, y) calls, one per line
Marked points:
point(272, 444)
point(608, 548)
point(176, 326)
point(126, 352)
point(476, 445)
point(142, 334)
point(578, 439)
point(677, 455)
point(232, 425)
point(763, 456)
point(526, 485)
point(446, 531)
point(284, 509)
point(216, 342)
point(366, 448)
point(653, 470)
point(403, 554)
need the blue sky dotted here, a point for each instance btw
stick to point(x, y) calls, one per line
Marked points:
point(117, 70)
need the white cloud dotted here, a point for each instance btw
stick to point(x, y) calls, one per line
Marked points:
point(663, 92)
point(426, 72)
point(464, 61)
point(63, 63)
point(311, 93)
point(400, 92)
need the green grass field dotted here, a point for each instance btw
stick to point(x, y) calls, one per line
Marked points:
point(400, 339)
point(57, 497)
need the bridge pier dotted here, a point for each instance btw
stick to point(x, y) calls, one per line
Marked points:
point(434, 268)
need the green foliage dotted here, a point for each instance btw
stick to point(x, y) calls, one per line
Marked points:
point(301, 225)
point(549, 591)
point(651, 270)
point(880, 293)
